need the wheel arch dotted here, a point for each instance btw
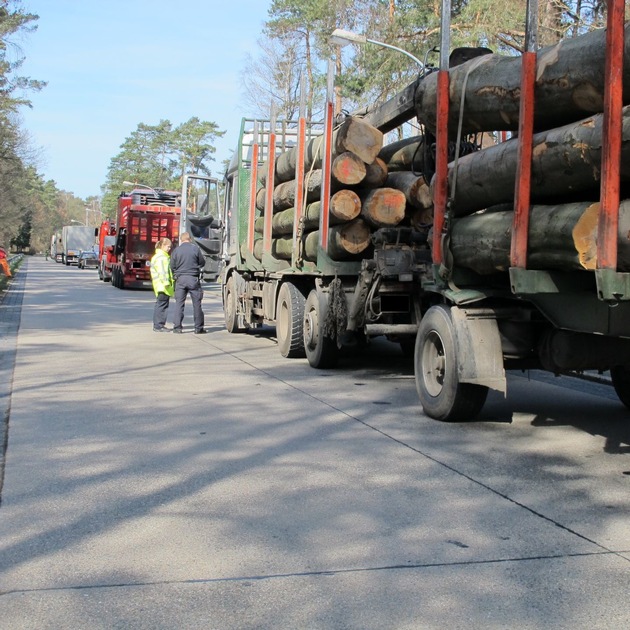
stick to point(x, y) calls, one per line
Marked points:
point(478, 345)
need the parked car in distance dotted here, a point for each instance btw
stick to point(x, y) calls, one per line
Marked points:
point(88, 260)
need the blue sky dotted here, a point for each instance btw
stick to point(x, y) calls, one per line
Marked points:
point(111, 64)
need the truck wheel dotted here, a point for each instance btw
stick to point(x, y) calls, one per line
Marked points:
point(290, 321)
point(321, 351)
point(230, 308)
point(620, 376)
point(115, 277)
point(436, 364)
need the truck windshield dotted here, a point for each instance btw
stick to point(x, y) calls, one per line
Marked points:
point(201, 197)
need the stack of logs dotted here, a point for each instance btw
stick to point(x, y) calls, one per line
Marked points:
point(567, 150)
point(364, 196)
point(378, 186)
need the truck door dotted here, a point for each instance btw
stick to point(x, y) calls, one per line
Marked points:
point(201, 217)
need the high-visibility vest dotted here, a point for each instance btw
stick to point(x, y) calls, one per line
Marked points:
point(161, 274)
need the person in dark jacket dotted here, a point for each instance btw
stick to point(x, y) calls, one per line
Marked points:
point(187, 263)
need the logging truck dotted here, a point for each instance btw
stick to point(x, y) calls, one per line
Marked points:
point(480, 256)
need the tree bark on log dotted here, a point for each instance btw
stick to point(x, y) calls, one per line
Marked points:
point(280, 248)
point(561, 237)
point(375, 174)
point(345, 206)
point(383, 207)
point(345, 242)
point(404, 155)
point(420, 219)
point(347, 170)
point(284, 193)
point(566, 161)
point(354, 135)
point(417, 192)
point(569, 86)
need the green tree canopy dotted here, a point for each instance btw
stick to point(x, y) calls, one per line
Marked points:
point(159, 155)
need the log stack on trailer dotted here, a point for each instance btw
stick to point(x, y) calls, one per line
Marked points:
point(359, 203)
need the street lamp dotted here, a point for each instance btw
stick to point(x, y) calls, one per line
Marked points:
point(77, 221)
point(343, 38)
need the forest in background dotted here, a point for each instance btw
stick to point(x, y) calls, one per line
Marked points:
point(294, 44)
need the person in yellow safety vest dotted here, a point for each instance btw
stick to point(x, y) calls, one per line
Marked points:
point(163, 283)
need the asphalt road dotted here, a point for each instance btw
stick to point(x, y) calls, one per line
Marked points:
point(162, 481)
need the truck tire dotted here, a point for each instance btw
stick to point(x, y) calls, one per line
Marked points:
point(620, 376)
point(321, 351)
point(118, 279)
point(441, 394)
point(290, 321)
point(230, 307)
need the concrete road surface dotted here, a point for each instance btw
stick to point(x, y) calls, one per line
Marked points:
point(162, 481)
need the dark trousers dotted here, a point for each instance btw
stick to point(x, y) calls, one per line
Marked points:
point(160, 310)
point(188, 285)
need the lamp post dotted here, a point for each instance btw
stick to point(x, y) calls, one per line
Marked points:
point(341, 37)
point(77, 221)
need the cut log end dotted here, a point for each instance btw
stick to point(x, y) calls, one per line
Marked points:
point(384, 207)
point(348, 169)
point(345, 205)
point(585, 236)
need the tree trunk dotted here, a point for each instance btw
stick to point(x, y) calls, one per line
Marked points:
point(354, 135)
point(280, 248)
point(569, 86)
point(404, 155)
point(376, 174)
point(383, 207)
point(360, 138)
point(566, 161)
point(561, 237)
point(345, 242)
point(345, 206)
point(348, 169)
point(284, 193)
point(417, 192)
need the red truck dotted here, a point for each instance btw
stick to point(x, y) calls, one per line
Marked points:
point(144, 216)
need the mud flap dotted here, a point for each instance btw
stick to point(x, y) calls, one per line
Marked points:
point(478, 347)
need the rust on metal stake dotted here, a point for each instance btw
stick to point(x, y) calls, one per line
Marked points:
point(608, 223)
point(324, 220)
point(522, 193)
